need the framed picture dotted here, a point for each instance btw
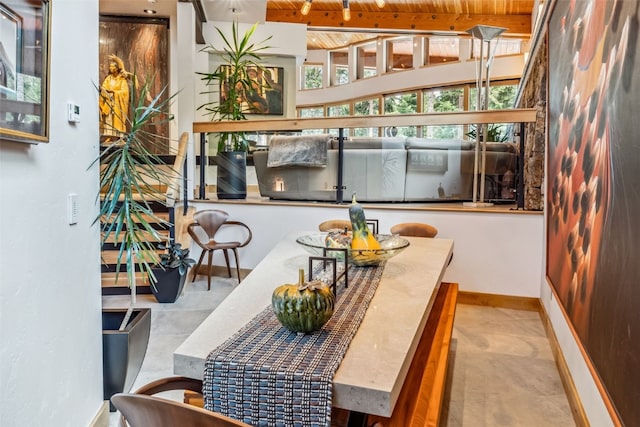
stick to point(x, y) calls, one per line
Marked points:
point(265, 96)
point(143, 46)
point(24, 70)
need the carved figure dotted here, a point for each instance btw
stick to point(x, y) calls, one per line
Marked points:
point(114, 99)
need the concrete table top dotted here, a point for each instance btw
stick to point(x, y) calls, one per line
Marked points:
point(373, 370)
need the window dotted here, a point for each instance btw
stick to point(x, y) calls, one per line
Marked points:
point(405, 103)
point(311, 112)
point(339, 63)
point(338, 110)
point(442, 101)
point(311, 77)
point(366, 107)
point(443, 49)
point(367, 60)
point(501, 96)
point(400, 54)
point(499, 47)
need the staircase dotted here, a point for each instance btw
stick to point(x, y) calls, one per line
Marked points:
point(115, 282)
point(163, 204)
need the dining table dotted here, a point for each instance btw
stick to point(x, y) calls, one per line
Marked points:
point(372, 371)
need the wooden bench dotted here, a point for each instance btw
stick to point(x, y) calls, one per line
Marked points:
point(420, 400)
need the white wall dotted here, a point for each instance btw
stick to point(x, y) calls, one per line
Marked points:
point(590, 397)
point(462, 71)
point(50, 305)
point(287, 48)
point(497, 253)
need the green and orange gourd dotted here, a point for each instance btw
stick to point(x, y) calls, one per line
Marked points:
point(362, 238)
point(303, 307)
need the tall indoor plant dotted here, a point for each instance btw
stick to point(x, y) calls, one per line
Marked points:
point(233, 81)
point(130, 178)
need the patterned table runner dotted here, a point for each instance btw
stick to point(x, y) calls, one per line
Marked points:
point(266, 375)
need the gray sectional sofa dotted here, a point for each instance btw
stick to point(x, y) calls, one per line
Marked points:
point(392, 170)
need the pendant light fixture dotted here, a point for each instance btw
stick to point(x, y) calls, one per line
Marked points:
point(306, 7)
point(346, 11)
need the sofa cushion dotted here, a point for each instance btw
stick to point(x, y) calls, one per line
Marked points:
point(438, 144)
point(359, 143)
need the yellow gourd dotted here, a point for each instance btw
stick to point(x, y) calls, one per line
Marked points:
point(362, 238)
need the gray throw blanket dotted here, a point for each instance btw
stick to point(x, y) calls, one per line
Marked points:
point(303, 150)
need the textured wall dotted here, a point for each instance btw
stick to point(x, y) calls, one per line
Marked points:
point(534, 95)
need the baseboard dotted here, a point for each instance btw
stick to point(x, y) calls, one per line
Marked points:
point(218, 271)
point(102, 417)
point(577, 410)
point(502, 301)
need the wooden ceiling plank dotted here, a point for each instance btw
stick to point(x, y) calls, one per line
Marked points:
point(517, 25)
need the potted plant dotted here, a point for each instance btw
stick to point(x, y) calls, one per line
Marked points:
point(495, 133)
point(170, 274)
point(234, 81)
point(130, 175)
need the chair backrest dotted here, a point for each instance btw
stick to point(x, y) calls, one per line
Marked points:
point(143, 411)
point(332, 224)
point(210, 220)
point(415, 229)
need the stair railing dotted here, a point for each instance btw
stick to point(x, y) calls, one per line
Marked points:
point(179, 172)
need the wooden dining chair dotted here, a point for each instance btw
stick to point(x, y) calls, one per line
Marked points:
point(142, 409)
point(415, 229)
point(203, 230)
point(334, 224)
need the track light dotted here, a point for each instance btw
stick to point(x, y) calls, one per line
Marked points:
point(346, 12)
point(306, 7)
point(380, 3)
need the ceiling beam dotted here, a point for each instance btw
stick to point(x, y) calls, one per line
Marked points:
point(517, 25)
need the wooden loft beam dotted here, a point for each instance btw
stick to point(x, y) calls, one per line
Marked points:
point(517, 25)
point(420, 119)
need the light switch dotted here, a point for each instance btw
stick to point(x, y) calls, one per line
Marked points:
point(72, 208)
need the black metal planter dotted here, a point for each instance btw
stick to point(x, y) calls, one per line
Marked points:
point(169, 284)
point(232, 175)
point(123, 351)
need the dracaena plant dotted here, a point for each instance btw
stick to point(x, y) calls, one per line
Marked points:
point(130, 178)
point(232, 81)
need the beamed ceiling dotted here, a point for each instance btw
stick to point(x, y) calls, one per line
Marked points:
point(401, 16)
point(328, 30)
point(417, 15)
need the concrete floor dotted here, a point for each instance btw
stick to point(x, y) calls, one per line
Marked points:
point(502, 372)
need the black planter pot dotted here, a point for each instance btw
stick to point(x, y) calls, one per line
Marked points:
point(169, 285)
point(123, 351)
point(232, 175)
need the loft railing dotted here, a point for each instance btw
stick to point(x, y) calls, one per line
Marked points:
point(516, 116)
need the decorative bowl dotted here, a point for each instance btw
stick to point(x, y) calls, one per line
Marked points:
point(391, 245)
